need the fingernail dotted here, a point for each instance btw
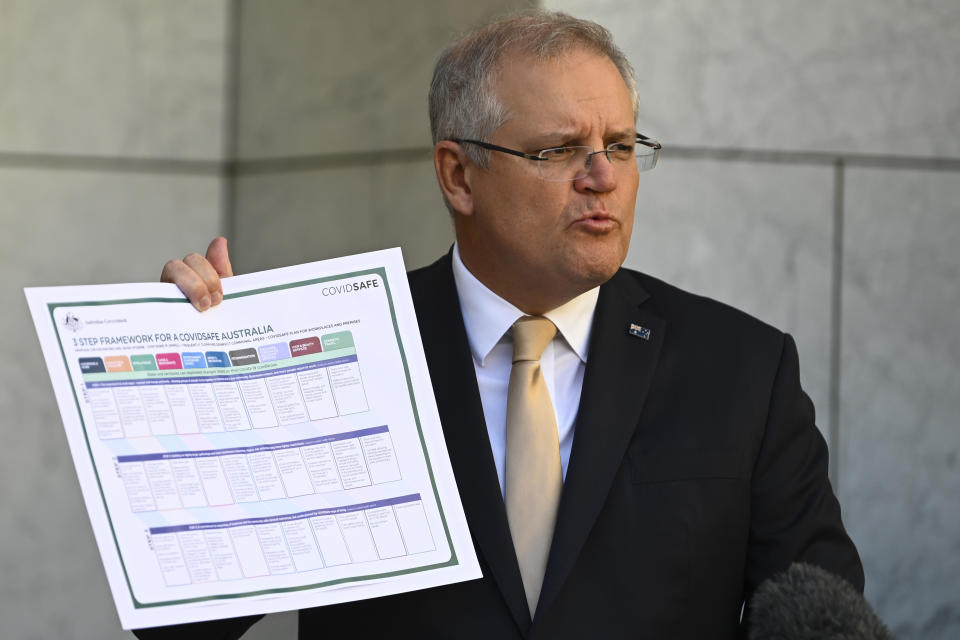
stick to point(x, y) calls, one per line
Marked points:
point(217, 298)
point(204, 303)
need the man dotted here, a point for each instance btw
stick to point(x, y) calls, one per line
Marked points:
point(680, 466)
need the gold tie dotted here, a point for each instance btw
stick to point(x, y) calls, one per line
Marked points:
point(533, 477)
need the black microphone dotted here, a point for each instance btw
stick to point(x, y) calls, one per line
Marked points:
point(806, 602)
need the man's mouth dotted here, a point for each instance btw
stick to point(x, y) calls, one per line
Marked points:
point(596, 221)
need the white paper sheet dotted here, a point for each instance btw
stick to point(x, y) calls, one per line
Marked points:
point(280, 451)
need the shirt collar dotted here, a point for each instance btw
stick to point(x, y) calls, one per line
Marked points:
point(487, 316)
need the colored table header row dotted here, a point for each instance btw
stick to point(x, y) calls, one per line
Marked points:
point(314, 513)
point(279, 446)
point(210, 359)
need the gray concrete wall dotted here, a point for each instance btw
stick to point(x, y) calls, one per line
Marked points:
point(812, 177)
point(332, 127)
point(111, 146)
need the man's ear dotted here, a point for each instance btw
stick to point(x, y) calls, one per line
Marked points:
point(450, 163)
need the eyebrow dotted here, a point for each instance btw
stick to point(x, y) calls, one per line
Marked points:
point(551, 137)
point(625, 133)
point(572, 134)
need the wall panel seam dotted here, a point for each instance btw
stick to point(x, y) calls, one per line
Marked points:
point(231, 120)
point(836, 321)
point(236, 167)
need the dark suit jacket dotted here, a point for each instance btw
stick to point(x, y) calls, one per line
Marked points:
point(696, 472)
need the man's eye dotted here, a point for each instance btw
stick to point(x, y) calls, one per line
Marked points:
point(559, 153)
point(621, 150)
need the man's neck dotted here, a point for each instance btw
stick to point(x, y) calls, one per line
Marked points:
point(487, 316)
point(528, 295)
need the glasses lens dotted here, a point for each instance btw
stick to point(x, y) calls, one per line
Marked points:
point(646, 157)
point(563, 163)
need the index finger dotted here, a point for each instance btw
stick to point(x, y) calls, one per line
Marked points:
point(208, 274)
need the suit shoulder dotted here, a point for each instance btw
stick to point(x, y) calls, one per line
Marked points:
point(697, 315)
point(440, 267)
point(425, 281)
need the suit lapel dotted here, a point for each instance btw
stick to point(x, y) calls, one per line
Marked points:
point(620, 368)
point(464, 428)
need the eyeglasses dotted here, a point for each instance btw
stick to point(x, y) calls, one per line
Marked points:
point(563, 164)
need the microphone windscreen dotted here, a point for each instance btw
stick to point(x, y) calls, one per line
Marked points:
point(806, 602)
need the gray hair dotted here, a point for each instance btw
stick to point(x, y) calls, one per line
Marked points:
point(463, 102)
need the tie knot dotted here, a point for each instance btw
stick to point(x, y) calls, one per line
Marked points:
point(531, 335)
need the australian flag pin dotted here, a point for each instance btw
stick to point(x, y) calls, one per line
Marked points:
point(638, 331)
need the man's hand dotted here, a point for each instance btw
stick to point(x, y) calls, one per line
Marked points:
point(199, 276)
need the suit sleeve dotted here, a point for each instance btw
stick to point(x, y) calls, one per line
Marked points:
point(229, 629)
point(795, 516)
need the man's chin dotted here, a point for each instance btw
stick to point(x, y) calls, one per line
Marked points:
point(596, 267)
point(594, 274)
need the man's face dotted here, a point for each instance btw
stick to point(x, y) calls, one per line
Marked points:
point(542, 243)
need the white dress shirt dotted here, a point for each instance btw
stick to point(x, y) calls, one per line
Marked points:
point(488, 319)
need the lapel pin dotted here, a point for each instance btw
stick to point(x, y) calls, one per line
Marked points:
point(638, 331)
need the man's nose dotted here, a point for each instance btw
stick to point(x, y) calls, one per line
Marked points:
point(601, 175)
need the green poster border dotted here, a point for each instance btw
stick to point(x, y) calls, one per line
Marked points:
point(381, 271)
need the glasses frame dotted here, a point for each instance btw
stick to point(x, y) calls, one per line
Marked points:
point(640, 139)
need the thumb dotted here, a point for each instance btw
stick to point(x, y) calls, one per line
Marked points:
point(219, 257)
